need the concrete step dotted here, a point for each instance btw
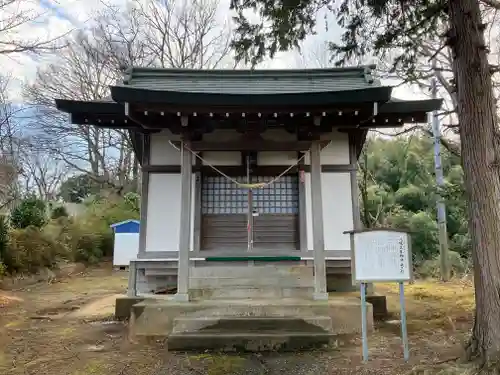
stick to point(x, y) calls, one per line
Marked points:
point(253, 324)
point(247, 341)
point(242, 270)
point(161, 272)
point(236, 292)
point(157, 317)
point(261, 308)
point(222, 282)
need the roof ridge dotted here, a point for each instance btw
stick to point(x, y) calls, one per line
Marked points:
point(362, 70)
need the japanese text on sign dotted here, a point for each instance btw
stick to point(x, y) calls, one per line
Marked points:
point(382, 255)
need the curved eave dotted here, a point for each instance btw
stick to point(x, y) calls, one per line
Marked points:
point(411, 106)
point(90, 107)
point(123, 94)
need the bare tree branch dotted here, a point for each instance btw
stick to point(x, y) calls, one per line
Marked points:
point(491, 3)
point(179, 34)
point(16, 15)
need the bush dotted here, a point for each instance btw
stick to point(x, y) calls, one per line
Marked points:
point(30, 249)
point(102, 213)
point(3, 270)
point(6, 260)
point(431, 268)
point(4, 239)
point(59, 211)
point(132, 202)
point(86, 238)
point(77, 238)
point(30, 212)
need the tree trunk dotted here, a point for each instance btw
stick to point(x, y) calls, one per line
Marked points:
point(480, 154)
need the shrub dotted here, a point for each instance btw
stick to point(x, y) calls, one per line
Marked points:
point(132, 202)
point(30, 249)
point(59, 211)
point(84, 244)
point(431, 268)
point(86, 238)
point(4, 239)
point(30, 212)
point(3, 270)
point(6, 260)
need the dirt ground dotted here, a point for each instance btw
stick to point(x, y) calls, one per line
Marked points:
point(66, 328)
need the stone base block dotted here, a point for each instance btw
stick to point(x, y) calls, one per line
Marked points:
point(379, 305)
point(205, 319)
point(123, 306)
point(248, 341)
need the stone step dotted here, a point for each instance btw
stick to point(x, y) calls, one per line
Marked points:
point(253, 324)
point(219, 308)
point(250, 341)
point(161, 272)
point(222, 282)
point(267, 292)
point(257, 271)
point(157, 317)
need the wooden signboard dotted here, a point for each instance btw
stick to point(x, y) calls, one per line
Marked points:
point(381, 256)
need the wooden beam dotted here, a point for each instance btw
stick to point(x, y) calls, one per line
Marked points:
point(252, 145)
point(240, 170)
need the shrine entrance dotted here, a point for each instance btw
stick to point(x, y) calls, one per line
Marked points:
point(272, 223)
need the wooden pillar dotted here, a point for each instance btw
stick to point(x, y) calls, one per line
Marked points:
point(132, 279)
point(146, 154)
point(197, 208)
point(302, 208)
point(320, 292)
point(353, 160)
point(185, 225)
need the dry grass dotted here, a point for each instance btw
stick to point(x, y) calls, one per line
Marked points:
point(41, 332)
point(432, 304)
point(68, 341)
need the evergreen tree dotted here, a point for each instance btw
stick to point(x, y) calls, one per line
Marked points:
point(377, 27)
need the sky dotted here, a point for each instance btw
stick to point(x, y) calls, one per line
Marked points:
point(56, 17)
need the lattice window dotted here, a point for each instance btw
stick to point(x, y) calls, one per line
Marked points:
point(220, 196)
point(281, 197)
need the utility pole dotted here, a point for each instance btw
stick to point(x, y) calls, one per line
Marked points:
point(440, 205)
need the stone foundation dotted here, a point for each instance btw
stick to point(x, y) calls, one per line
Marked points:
point(189, 324)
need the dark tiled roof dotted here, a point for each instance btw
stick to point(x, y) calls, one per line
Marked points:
point(250, 82)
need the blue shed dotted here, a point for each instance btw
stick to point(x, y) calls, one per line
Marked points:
point(126, 244)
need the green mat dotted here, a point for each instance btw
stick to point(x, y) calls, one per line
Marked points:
point(254, 258)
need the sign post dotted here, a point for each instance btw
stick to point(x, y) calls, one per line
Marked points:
point(381, 255)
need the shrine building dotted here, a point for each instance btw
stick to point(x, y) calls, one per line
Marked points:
point(248, 185)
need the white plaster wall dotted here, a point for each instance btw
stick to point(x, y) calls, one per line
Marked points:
point(337, 210)
point(162, 152)
point(164, 210)
point(337, 152)
point(276, 158)
point(126, 248)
